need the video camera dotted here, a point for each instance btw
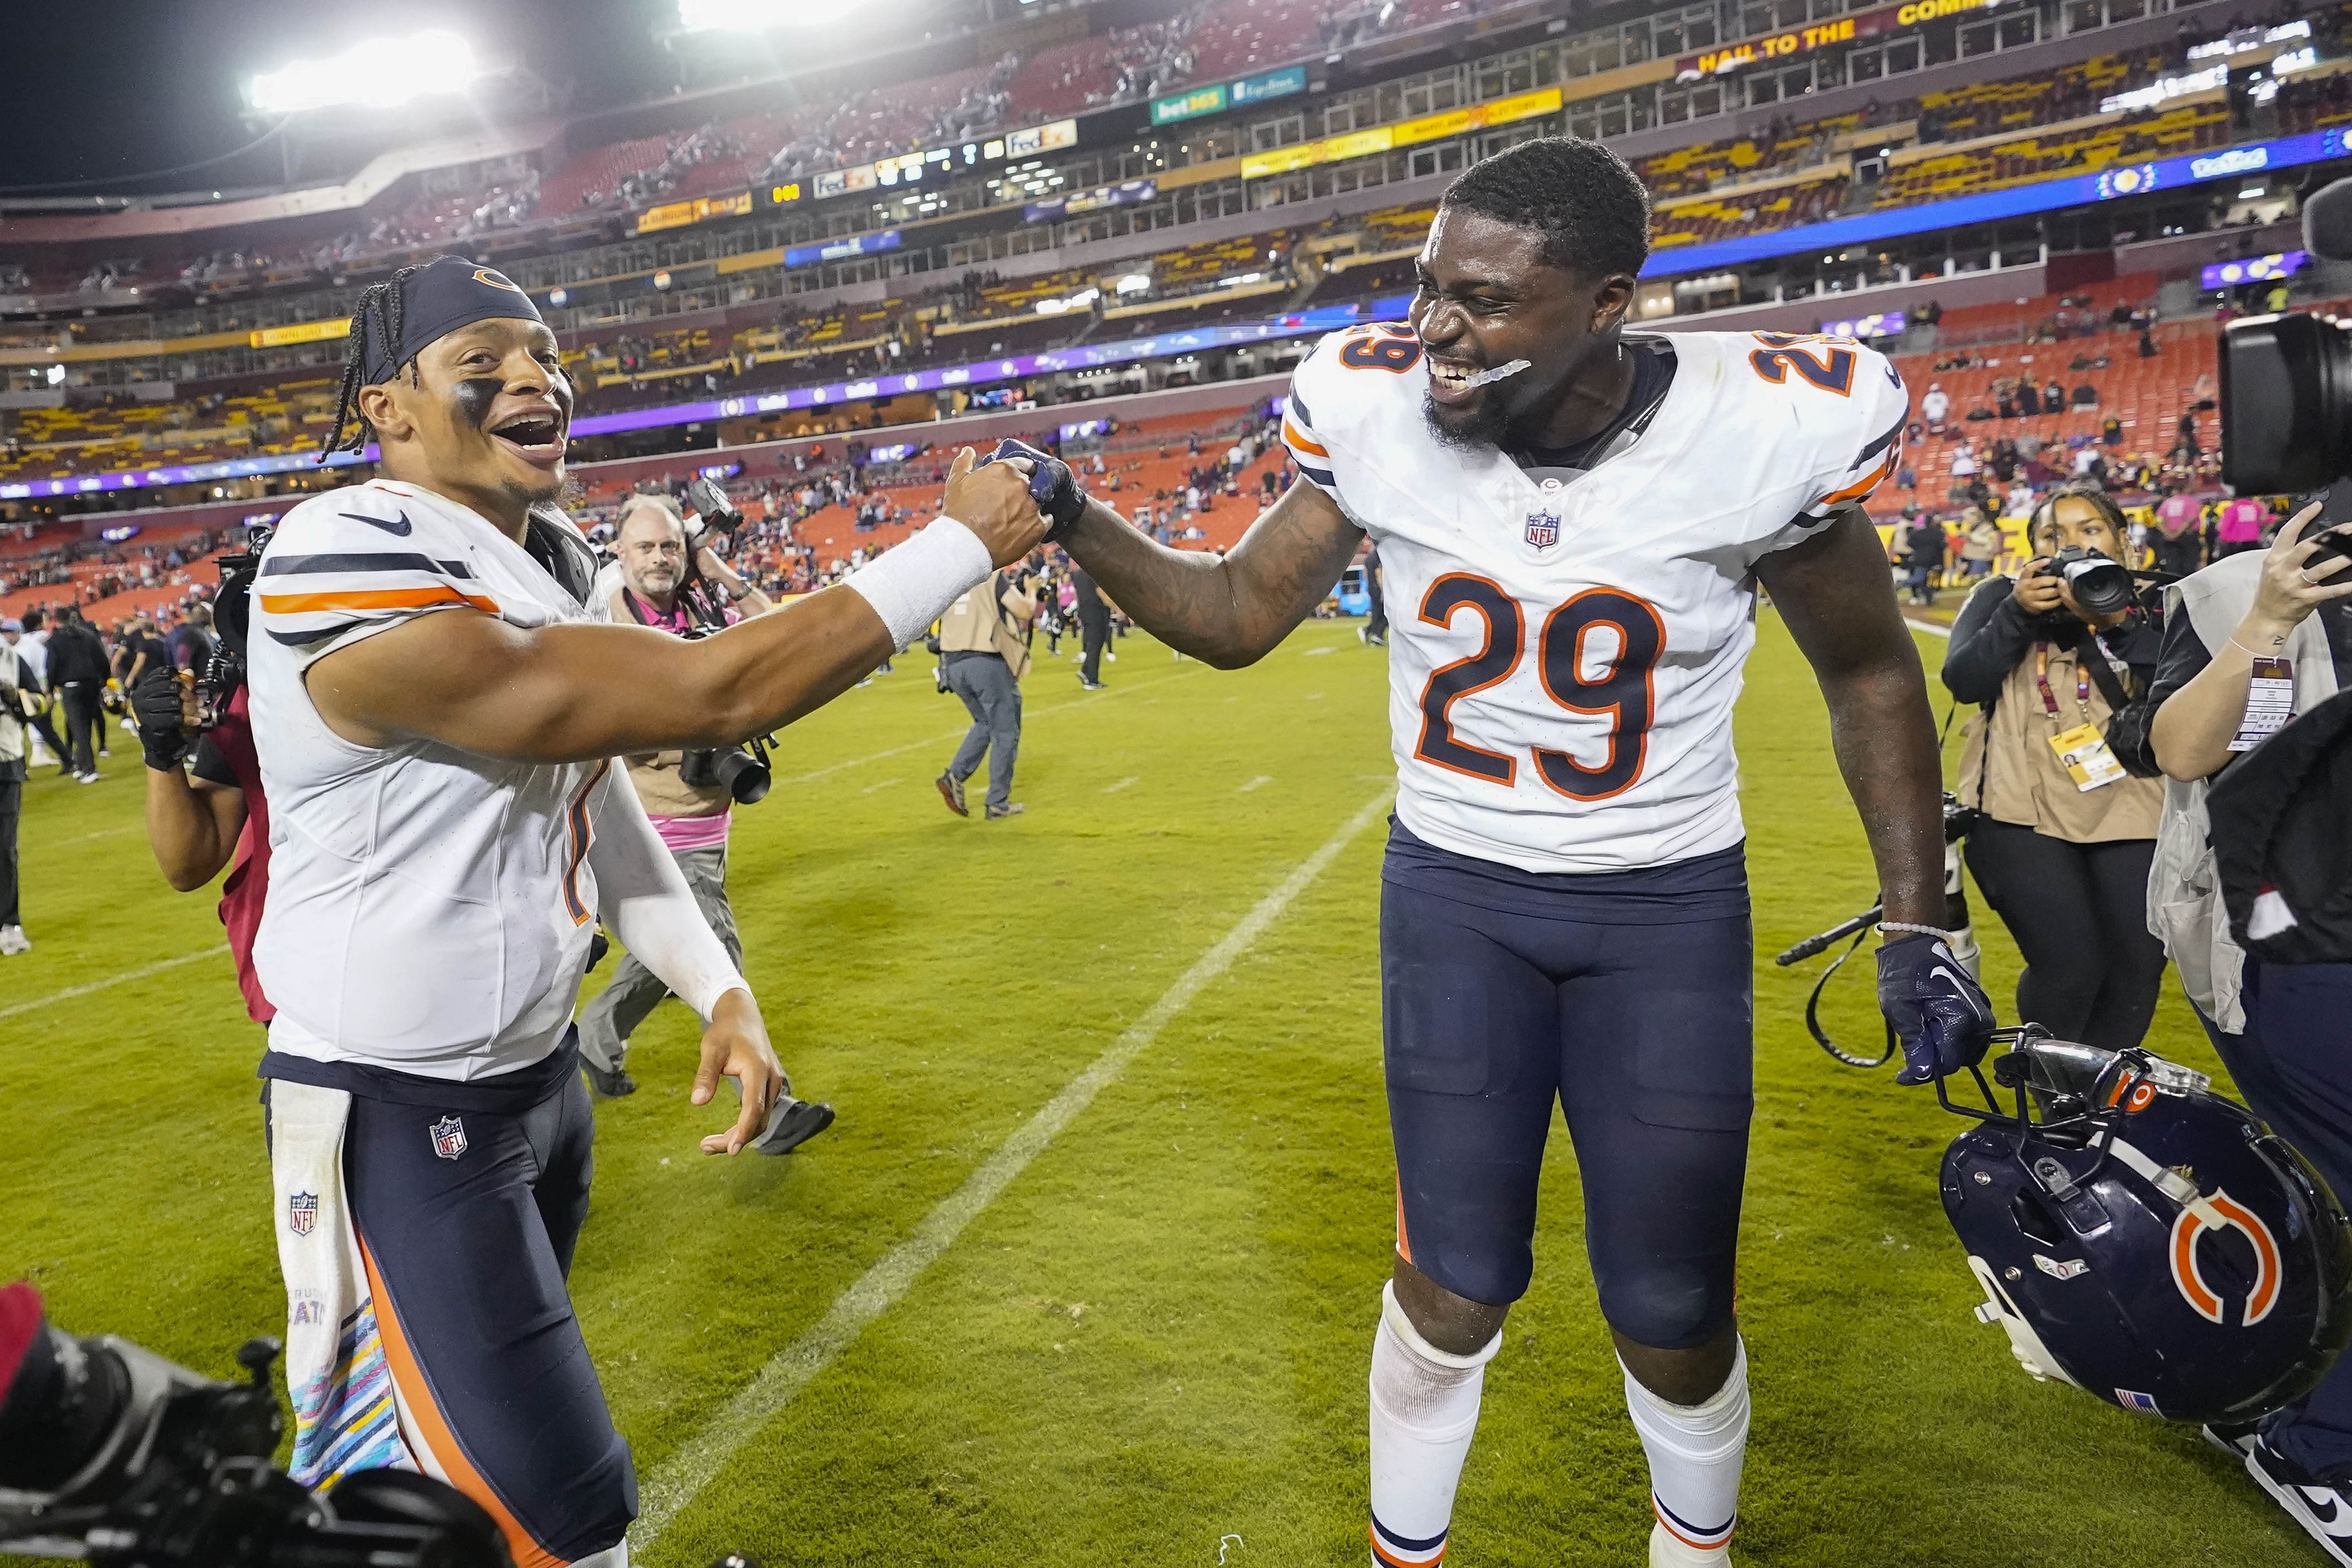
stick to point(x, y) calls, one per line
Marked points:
point(743, 772)
point(109, 1453)
point(2286, 383)
point(224, 672)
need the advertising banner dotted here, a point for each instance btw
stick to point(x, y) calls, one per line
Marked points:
point(1798, 41)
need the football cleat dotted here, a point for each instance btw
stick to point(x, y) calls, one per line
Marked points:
point(791, 1124)
point(2323, 1508)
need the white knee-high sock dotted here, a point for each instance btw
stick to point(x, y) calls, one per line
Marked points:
point(1424, 1408)
point(1695, 1452)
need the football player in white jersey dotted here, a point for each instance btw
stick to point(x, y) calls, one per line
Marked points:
point(435, 706)
point(1574, 522)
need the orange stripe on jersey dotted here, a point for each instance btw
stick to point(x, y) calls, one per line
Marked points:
point(373, 599)
point(1291, 434)
point(1862, 486)
point(416, 1401)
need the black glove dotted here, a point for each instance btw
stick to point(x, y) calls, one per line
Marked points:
point(163, 733)
point(1051, 486)
point(1938, 1012)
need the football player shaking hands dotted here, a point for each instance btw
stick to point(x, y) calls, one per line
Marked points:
point(435, 702)
point(1574, 521)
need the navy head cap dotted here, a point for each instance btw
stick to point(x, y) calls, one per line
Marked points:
point(396, 319)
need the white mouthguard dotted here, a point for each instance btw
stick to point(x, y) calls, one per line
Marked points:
point(1497, 373)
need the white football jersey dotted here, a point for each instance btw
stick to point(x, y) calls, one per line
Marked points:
point(429, 909)
point(1564, 656)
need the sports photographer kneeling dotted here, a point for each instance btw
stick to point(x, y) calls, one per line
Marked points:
point(685, 589)
point(2250, 642)
point(2066, 828)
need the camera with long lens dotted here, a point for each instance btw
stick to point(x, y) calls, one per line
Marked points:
point(2101, 585)
point(742, 770)
point(2286, 383)
point(112, 1454)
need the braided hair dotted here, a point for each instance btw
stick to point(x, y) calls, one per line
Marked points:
point(380, 303)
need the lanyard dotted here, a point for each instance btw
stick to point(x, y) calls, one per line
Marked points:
point(2082, 679)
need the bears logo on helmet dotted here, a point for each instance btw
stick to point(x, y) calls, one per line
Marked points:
point(2147, 1239)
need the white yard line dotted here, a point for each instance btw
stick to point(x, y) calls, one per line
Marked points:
point(70, 991)
point(886, 784)
point(1930, 628)
point(1114, 789)
point(1261, 779)
point(681, 1477)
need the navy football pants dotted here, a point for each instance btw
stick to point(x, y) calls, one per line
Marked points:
point(2294, 1066)
point(1643, 1034)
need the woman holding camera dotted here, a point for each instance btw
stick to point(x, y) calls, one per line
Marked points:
point(2066, 822)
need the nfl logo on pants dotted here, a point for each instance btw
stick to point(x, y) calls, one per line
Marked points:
point(1543, 529)
point(302, 1213)
point(448, 1138)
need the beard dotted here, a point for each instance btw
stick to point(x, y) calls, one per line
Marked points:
point(1468, 427)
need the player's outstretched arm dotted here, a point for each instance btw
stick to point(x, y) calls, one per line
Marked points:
point(569, 693)
point(1228, 612)
point(1833, 595)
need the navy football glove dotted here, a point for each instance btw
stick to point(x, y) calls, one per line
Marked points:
point(1939, 1013)
point(1051, 486)
point(163, 734)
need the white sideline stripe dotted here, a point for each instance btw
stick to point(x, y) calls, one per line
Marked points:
point(680, 1479)
point(1261, 779)
point(1930, 628)
point(956, 733)
point(1114, 789)
point(71, 992)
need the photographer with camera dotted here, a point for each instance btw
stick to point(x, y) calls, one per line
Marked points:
point(686, 590)
point(2060, 662)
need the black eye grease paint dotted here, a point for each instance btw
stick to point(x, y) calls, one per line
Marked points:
point(475, 395)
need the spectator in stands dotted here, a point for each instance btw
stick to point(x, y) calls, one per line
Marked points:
point(983, 654)
point(2015, 399)
point(77, 674)
point(2053, 397)
point(1936, 407)
point(2066, 838)
point(2111, 431)
point(2087, 397)
point(20, 697)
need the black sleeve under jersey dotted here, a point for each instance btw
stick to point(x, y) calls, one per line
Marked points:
point(213, 767)
point(2179, 660)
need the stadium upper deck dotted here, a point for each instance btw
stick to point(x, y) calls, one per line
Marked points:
point(732, 305)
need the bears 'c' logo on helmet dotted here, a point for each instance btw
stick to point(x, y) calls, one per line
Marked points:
point(2194, 1221)
point(495, 279)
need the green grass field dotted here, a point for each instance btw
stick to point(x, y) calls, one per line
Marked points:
point(1155, 1336)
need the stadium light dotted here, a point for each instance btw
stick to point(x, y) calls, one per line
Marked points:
point(743, 15)
point(377, 73)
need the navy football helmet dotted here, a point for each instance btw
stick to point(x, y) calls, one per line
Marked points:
point(2144, 1239)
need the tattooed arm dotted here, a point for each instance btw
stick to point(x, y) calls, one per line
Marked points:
point(1229, 612)
point(1833, 595)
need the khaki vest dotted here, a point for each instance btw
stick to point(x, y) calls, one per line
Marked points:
point(656, 773)
point(2016, 777)
point(975, 623)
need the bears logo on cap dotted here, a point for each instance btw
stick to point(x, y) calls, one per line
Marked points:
point(495, 279)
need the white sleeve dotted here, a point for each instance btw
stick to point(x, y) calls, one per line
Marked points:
point(1866, 445)
point(645, 898)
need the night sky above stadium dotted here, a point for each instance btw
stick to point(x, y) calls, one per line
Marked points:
point(127, 86)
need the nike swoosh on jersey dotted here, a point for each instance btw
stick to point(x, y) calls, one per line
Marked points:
point(400, 528)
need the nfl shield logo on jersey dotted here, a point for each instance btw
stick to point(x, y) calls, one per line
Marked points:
point(1543, 529)
point(448, 1138)
point(302, 1213)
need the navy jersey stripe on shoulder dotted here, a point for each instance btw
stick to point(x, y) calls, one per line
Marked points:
point(380, 561)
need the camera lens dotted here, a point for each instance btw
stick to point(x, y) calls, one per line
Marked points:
point(743, 775)
point(2286, 404)
point(2100, 585)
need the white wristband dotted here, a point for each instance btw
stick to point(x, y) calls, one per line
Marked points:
point(912, 584)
